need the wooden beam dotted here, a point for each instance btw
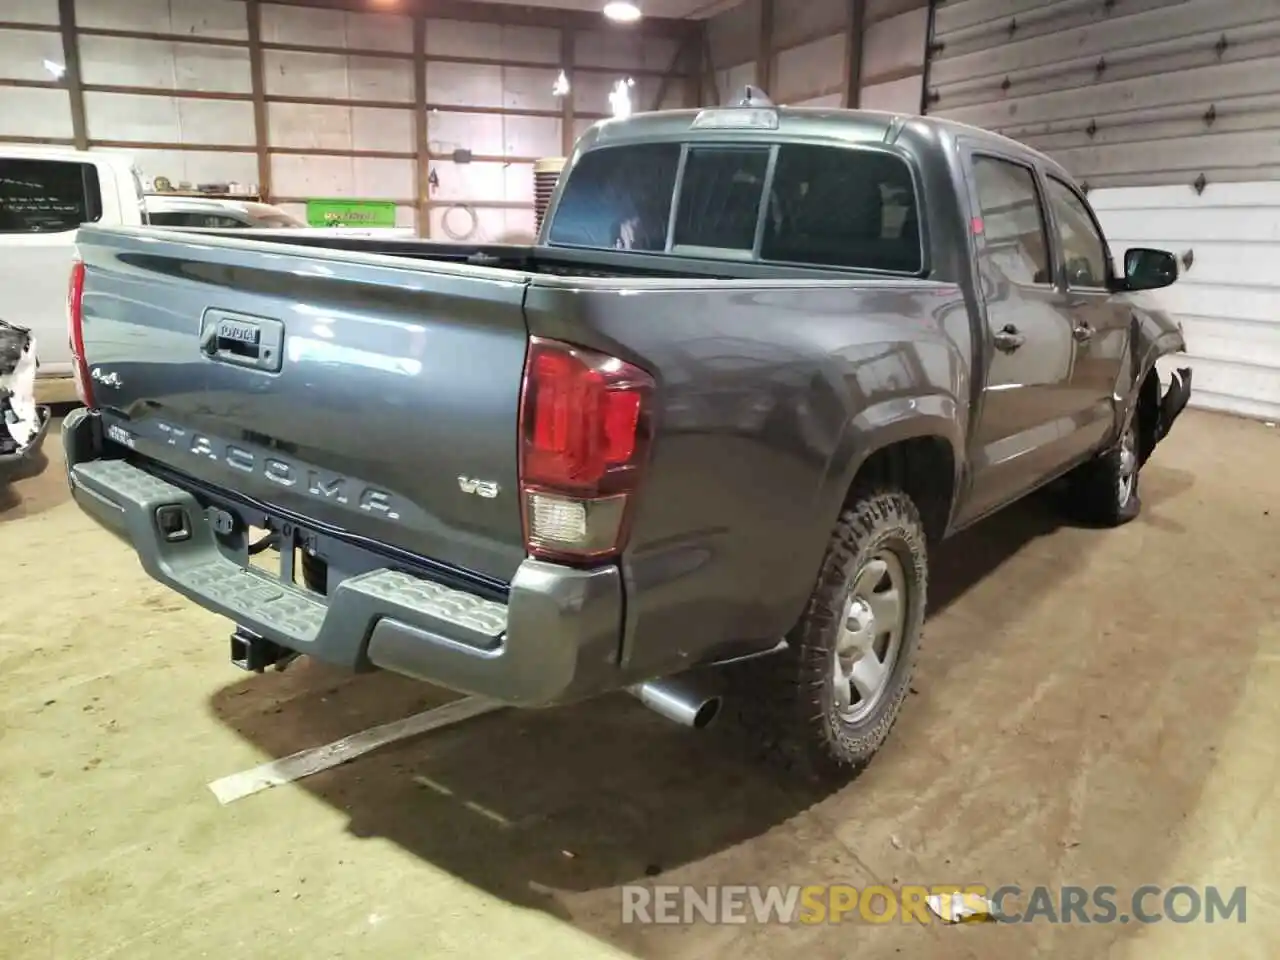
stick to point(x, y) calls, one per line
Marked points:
point(709, 69)
point(764, 53)
point(677, 59)
point(72, 76)
point(261, 123)
point(853, 37)
point(656, 72)
point(928, 57)
point(567, 113)
point(897, 73)
point(693, 66)
point(165, 92)
point(163, 145)
point(421, 134)
point(485, 12)
point(15, 25)
point(41, 141)
point(164, 37)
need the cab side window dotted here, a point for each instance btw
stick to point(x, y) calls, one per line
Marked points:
point(47, 196)
point(191, 219)
point(1013, 227)
point(221, 221)
point(1083, 250)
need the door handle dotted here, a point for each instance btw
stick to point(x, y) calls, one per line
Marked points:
point(1009, 339)
point(1083, 333)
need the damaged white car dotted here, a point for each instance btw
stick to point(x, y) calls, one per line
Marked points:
point(22, 424)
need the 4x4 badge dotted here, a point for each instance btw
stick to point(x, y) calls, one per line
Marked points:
point(111, 379)
point(480, 488)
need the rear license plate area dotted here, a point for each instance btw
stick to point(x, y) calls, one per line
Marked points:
point(274, 549)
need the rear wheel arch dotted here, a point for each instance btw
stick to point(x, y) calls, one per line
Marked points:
point(923, 467)
point(921, 456)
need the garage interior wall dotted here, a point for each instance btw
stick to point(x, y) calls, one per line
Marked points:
point(822, 53)
point(1168, 111)
point(297, 102)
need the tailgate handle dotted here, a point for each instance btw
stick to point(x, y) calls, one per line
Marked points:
point(242, 340)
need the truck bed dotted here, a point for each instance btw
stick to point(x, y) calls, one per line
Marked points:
point(560, 262)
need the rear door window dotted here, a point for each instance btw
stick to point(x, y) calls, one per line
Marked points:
point(1017, 244)
point(47, 196)
point(842, 208)
point(619, 197)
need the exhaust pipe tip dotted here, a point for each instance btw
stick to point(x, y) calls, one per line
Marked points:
point(707, 713)
point(680, 700)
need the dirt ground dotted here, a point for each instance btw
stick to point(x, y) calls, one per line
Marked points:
point(1092, 707)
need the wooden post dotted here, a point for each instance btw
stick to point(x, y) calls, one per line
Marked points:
point(693, 66)
point(566, 102)
point(261, 126)
point(421, 139)
point(764, 55)
point(854, 30)
point(709, 69)
point(71, 72)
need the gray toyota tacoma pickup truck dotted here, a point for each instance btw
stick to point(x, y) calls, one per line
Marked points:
point(758, 362)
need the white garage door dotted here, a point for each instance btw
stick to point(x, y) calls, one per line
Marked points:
point(1167, 110)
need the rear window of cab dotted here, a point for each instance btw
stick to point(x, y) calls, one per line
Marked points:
point(794, 203)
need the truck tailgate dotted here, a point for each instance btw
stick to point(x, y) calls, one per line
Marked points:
point(371, 397)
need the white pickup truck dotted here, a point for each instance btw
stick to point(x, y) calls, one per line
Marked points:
point(46, 193)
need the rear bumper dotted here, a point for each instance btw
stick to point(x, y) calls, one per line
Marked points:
point(555, 639)
point(30, 461)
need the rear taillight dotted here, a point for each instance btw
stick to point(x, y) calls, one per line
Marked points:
point(585, 426)
point(75, 332)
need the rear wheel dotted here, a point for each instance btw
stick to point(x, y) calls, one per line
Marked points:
point(823, 707)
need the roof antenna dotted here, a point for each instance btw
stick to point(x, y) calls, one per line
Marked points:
point(753, 96)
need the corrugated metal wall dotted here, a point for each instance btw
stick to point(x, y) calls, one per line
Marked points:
point(1169, 111)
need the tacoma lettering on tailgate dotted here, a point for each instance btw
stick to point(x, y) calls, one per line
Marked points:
point(320, 484)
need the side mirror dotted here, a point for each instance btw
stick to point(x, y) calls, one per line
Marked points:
point(1147, 269)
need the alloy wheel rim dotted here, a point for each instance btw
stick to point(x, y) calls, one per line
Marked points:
point(1128, 465)
point(870, 640)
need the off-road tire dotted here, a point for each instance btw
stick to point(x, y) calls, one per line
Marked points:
point(784, 701)
point(1093, 489)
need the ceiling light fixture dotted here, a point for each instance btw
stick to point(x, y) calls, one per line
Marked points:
point(622, 11)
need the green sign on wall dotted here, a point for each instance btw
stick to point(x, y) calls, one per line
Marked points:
point(351, 213)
